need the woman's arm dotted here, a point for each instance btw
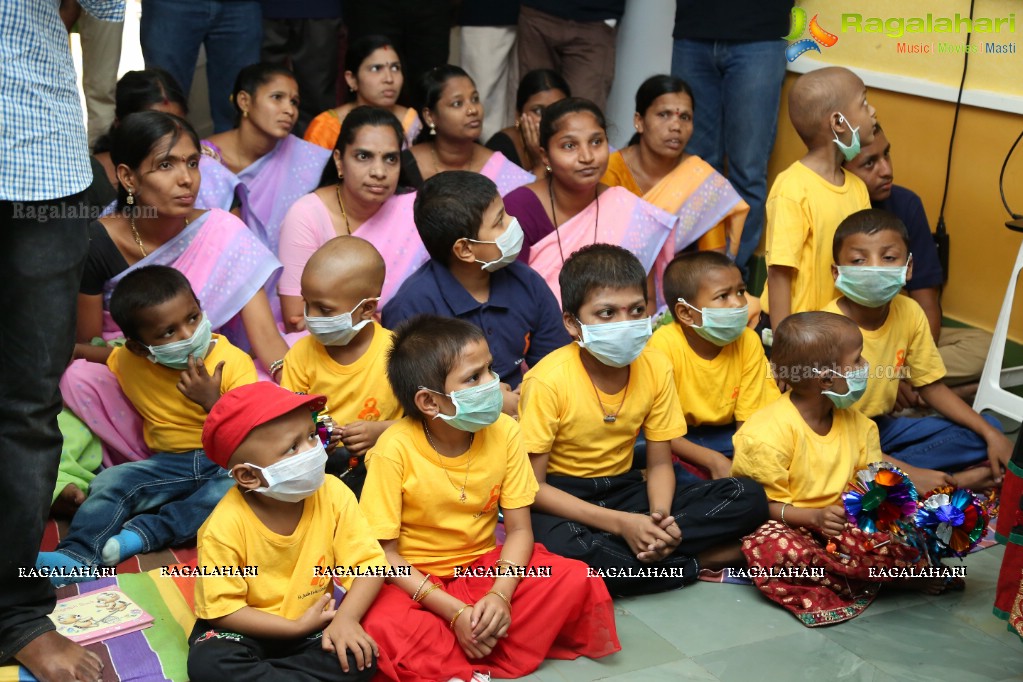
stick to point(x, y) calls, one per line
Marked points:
point(293, 312)
point(264, 336)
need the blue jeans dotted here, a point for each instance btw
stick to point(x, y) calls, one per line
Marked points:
point(172, 31)
point(737, 90)
point(41, 262)
point(716, 438)
point(165, 499)
point(932, 442)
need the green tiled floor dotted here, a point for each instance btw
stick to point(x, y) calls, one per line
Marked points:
point(730, 633)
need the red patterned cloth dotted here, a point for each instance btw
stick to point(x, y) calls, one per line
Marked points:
point(1009, 592)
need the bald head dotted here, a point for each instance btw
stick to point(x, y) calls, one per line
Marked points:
point(811, 340)
point(346, 264)
point(816, 96)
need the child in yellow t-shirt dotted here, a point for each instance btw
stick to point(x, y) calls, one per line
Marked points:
point(582, 408)
point(805, 452)
point(721, 372)
point(344, 356)
point(872, 264)
point(161, 501)
point(265, 600)
point(435, 482)
point(811, 197)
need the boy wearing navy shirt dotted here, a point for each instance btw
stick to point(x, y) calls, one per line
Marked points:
point(472, 275)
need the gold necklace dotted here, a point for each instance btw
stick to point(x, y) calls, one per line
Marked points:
point(610, 418)
point(341, 204)
point(461, 492)
point(436, 159)
point(138, 238)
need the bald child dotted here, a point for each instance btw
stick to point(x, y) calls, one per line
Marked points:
point(829, 110)
point(345, 355)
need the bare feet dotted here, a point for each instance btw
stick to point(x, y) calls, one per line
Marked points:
point(67, 502)
point(931, 586)
point(55, 658)
point(722, 556)
point(976, 479)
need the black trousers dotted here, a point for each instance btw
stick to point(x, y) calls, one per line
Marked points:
point(222, 656)
point(42, 253)
point(708, 513)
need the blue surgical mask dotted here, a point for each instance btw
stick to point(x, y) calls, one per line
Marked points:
point(475, 408)
point(869, 285)
point(857, 386)
point(337, 330)
point(510, 244)
point(849, 151)
point(616, 344)
point(175, 354)
point(720, 326)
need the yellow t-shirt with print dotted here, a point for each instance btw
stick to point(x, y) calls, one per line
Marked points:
point(724, 389)
point(803, 214)
point(901, 347)
point(170, 421)
point(795, 464)
point(412, 493)
point(560, 413)
point(356, 392)
point(331, 533)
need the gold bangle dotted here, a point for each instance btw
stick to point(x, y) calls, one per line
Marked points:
point(783, 513)
point(506, 562)
point(501, 595)
point(427, 591)
point(457, 614)
point(418, 589)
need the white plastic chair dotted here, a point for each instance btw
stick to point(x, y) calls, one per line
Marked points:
point(991, 394)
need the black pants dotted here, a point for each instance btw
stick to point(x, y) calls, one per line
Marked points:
point(309, 47)
point(42, 253)
point(223, 656)
point(708, 513)
point(420, 30)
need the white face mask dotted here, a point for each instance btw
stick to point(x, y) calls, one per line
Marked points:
point(337, 330)
point(294, 478)
point(510, 244)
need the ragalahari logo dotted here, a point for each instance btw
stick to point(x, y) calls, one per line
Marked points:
point(817, 35)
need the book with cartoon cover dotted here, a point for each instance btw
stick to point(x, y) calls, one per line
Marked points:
point(95, 616)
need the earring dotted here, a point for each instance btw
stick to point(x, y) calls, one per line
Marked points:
point(340, 177)
point(245, 114)
point(548, 169)
point(433, 129)
point(131, 198)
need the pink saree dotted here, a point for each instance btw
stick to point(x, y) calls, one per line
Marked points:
point(625, 220)
point(226, 265)
point(393, 232)
point(505, 174)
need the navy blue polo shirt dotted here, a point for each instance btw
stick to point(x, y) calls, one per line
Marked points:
point(522, 320)
point(906, 204)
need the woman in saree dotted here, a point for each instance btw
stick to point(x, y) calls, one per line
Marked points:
point(259, 166)
point(374, 77)
point(571, 207)
point(357, 197)
point(656, 167)
point(453, 115)
point(1009, 591)
point(520, 143)
point(157, 223)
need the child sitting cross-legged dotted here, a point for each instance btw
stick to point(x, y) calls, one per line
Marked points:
point(345, 353)
point(721, 372)
point(805, 448)
point(582, 408)
point(162, 368)
point(435, 482)
point(276, 539)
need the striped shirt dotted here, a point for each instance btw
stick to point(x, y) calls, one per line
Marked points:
point(44, 153)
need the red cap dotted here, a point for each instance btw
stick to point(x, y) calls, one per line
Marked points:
point(244, 408)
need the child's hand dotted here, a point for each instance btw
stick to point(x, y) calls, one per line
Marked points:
point(719, 467)
point(198, 385)
point(511, 400)
point(333, 441)
point(908, 397)
point(360, 436)
point(999, 451)
point(472, 647)
point(926, 480)
point(831, 520)
point(316, 617)
point(646, 538)
point(345, 634)
point(491, 617)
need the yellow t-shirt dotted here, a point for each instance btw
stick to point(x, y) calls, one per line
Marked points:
point(355, 392)
point(803, 213)
point(332, 534)
point(619, 175)
point(726, 389)
point(413, 494)
point(901, 347)
point(170, 421)
point(560, 414)
point(779, 450)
